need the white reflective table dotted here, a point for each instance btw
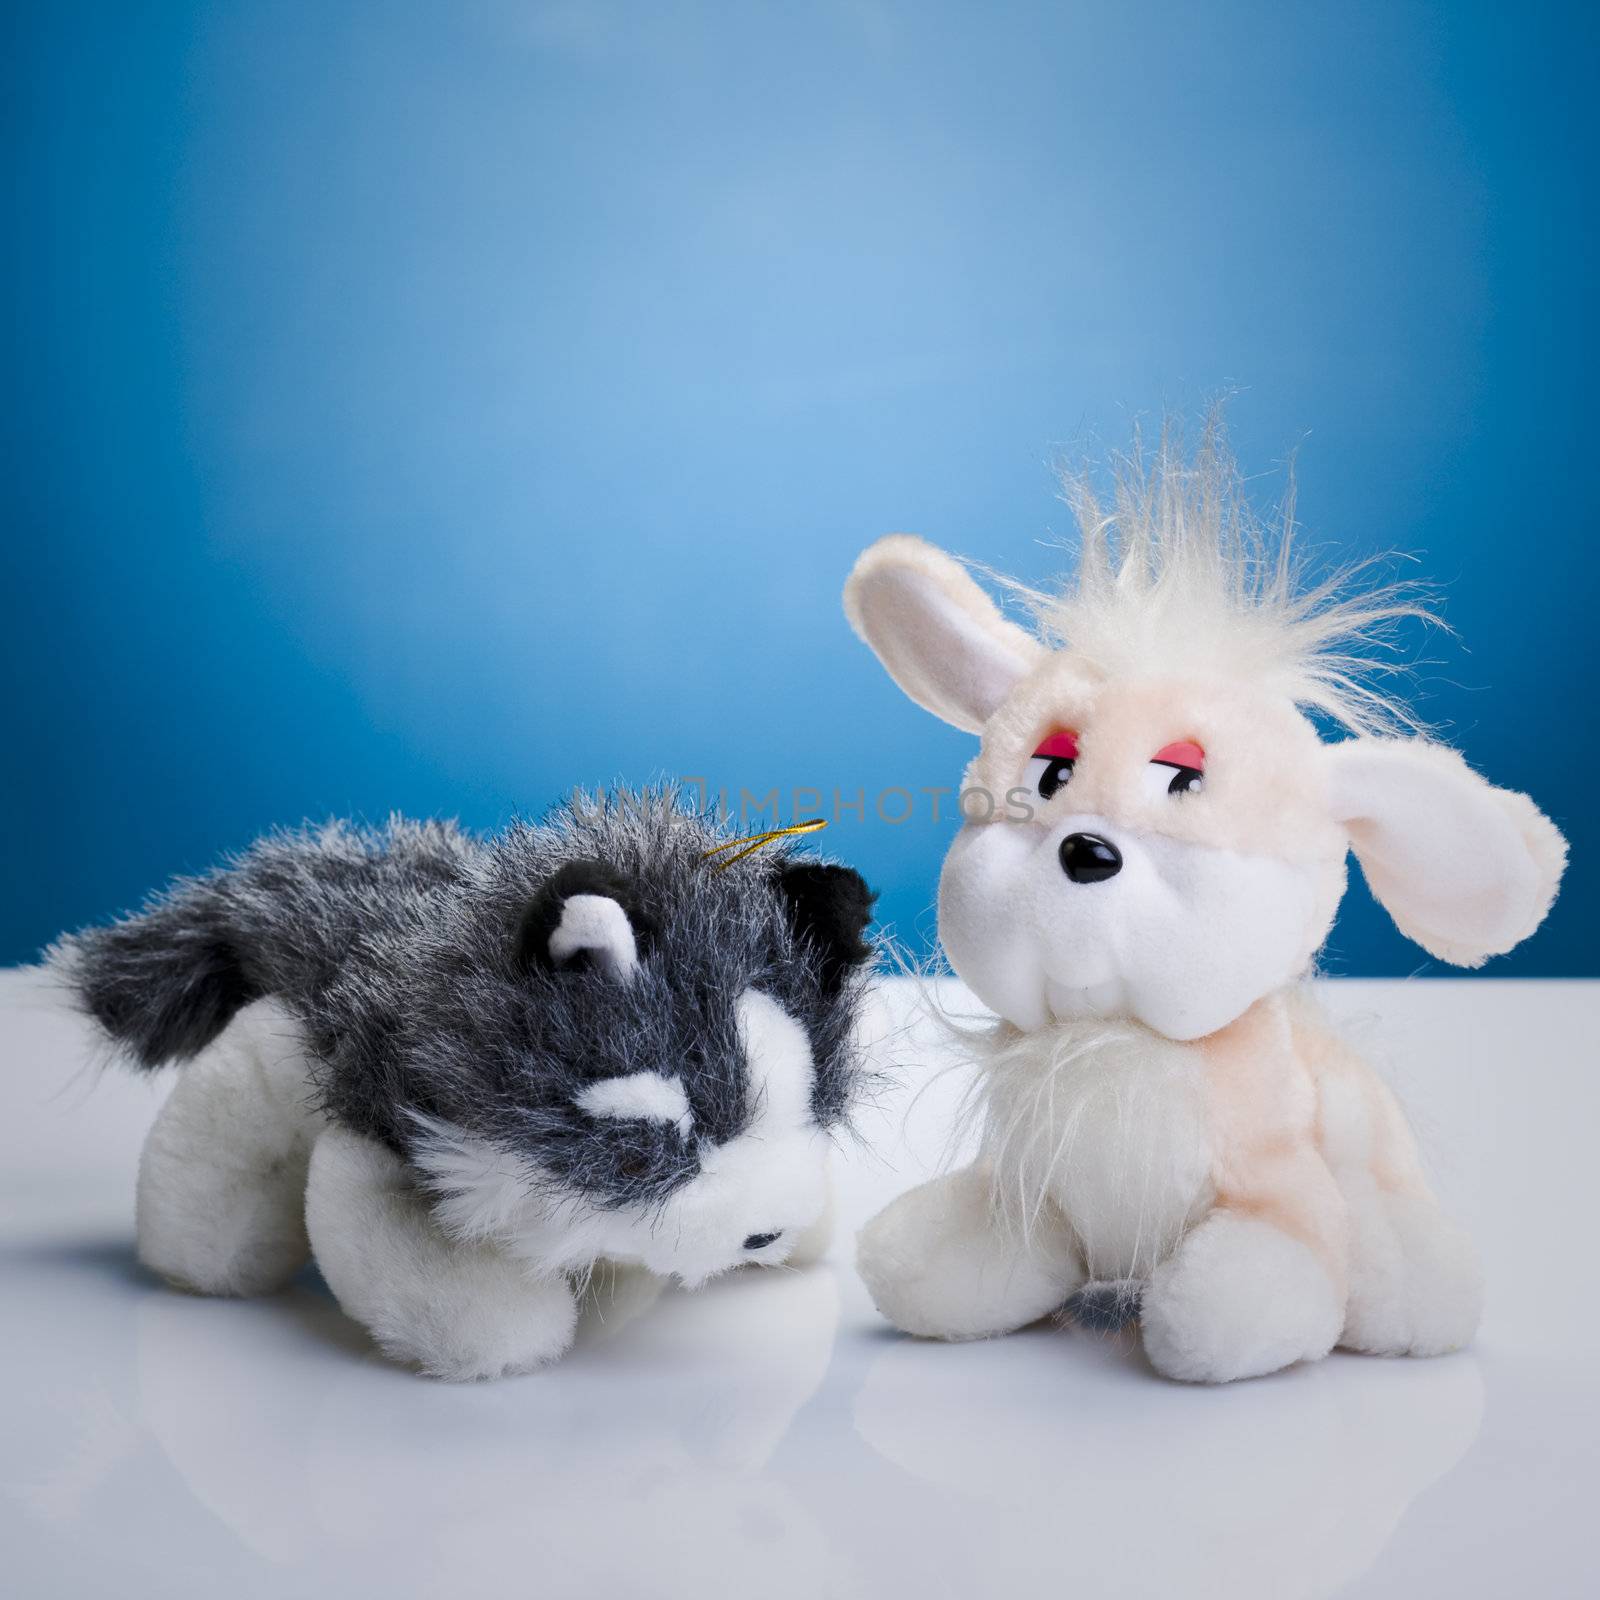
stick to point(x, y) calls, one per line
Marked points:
point(769, 1436)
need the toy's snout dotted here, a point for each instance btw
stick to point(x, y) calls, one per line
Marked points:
point(1089, 858)
point(1093, 917)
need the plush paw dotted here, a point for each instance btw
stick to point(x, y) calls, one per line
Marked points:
point(937, 1263)
point(454, 1309)
point(253, 1242)
point(221, 1196)
point(488, 1325)
point(1237, 1299)
point(1416, 1286)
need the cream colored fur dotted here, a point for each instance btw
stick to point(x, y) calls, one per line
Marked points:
point(1466, 870)
point(1160, 1101)
point(960, 670)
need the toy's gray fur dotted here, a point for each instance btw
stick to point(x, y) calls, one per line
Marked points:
point(398, 949)
point(1106, 1305)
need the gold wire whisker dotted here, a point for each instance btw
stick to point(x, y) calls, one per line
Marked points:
point(749, 846)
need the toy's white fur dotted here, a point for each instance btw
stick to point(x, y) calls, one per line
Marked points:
point(962, 668)
point(1159, 1103)
point(1465, 870)
point(1184, 937)
point(1239, 1298)
point(222, 1178)
point(651, 1095)
point(937, 1265)
point(772, 1179)
point(597, 924)
point(1177, 578)
point(1415, 1287)
point(1103, 1122)
point(470, 1278)
point(456, 1309)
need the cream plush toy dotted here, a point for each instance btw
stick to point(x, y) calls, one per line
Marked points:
point(1153, 851)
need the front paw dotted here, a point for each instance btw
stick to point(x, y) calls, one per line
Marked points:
point(1238, 1298)
point(489, 1324)
point(455, 1309)
point(938, 1264)
point(1416, 1285)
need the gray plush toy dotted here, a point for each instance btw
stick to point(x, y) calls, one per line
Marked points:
point(462, 1071)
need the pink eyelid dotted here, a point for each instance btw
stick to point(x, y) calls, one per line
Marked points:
point(1061, 746)
point(1185, 753)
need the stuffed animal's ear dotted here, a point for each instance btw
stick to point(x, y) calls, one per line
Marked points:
point(1465, 869)
point(829, 907)
point(585, 916)
point(941, 637)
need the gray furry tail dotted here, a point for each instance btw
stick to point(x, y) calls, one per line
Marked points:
point(278, 919)
point(162, 985)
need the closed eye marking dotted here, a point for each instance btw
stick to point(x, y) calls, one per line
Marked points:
point(640, 1096)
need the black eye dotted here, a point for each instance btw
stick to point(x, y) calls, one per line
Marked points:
point(633, 1166)
point(1176, 768)
point(1050, 766)
point(1162, 778)
point(1048, 774)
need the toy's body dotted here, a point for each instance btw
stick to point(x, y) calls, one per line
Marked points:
point(462, 1072)
point(1107, 1146)
point(1154, 856)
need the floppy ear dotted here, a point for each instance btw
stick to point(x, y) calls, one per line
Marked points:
point(1465, 869)
point(585, 916)
point(941, 637)
point(829, 907)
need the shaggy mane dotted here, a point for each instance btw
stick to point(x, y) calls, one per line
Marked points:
point(1177, 574)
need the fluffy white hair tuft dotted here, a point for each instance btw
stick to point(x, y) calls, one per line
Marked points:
point(1177, 574)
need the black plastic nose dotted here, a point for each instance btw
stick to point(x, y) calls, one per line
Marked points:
point(760, 1241)
point(1087, 858)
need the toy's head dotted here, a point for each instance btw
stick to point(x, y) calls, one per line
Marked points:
point(1153, 828)
point(656, 1052)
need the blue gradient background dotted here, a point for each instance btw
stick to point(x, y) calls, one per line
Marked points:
point(429, 407)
